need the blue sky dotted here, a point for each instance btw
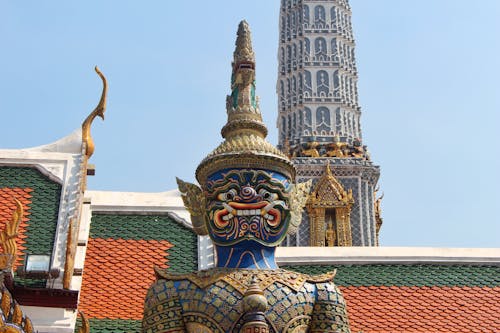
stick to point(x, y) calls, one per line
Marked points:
point(428, 82)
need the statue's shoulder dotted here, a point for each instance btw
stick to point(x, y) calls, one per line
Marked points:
point(165, 274)
point(200, 278)
point(312, 278)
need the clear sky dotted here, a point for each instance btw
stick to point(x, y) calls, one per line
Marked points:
point(428, 83)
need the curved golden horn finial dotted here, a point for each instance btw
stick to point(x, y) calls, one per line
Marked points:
point(98, 111)
point(85, 328)
point(8, 235)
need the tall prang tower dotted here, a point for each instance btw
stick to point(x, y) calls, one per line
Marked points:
point(319, 125)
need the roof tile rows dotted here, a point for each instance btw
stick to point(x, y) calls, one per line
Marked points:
point(40, 227)
point(121, 253)
point(375, 309)
point(117, 276)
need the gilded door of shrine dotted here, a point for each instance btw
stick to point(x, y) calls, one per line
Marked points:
point(329, 209)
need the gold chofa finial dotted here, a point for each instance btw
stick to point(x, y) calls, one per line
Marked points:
point(98, 111)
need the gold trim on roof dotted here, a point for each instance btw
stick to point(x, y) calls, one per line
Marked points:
point(8, 237)
point(85, 328)
point(69, 263)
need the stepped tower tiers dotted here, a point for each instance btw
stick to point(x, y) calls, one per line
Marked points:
point(319, 124)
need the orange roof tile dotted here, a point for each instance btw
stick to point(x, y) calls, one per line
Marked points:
point(423, 309)
point(117, 274)
point(7, 207)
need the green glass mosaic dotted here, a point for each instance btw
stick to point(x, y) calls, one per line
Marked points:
point(182, 257)
point(408, 275)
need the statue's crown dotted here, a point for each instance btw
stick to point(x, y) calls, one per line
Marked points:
point(244, 133)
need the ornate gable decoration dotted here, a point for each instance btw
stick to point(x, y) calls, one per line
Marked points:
point(329, 209)
point(328, 192)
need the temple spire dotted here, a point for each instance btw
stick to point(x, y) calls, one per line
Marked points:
point(243, 113)
point(319, 120)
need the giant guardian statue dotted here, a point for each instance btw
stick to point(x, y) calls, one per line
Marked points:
point(247, 202)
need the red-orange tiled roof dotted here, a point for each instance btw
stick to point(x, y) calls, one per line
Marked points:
point(376, 309)
point(118, 273)
point(7, 208)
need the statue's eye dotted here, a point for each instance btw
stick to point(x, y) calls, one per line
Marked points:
point(266, 195)
point(227, 196)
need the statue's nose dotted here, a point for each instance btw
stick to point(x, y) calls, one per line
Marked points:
point(248, 193)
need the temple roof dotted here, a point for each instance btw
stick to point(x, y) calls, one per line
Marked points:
point(418, 298)
point(122, 250)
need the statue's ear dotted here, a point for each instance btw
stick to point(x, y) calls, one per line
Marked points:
point(195, 203)
point(298, 198)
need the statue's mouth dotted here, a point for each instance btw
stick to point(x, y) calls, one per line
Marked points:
point(262, 209)
point(245, 65)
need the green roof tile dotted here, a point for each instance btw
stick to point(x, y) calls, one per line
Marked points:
point(182, 257)
point(44, 210)
point(408, 275)
point(112, 326)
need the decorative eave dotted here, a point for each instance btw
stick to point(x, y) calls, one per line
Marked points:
point(44, 297)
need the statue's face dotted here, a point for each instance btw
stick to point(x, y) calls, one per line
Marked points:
point(247, 204)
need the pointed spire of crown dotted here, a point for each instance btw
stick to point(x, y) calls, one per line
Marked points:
point(244, 51)
point(244, 133)
point(243, 113)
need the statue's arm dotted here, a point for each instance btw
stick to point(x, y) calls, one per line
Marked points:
point(330, 312)
point(162, 310)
